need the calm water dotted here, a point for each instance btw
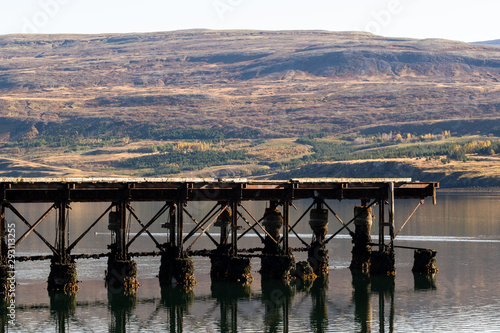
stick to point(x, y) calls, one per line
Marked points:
point(464, 228)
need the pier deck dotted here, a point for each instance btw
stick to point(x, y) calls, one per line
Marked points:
point(18, 190)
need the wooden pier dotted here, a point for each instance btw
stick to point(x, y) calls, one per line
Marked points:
point(228, 213)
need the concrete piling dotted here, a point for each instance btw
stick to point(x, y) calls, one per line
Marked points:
point(273, 221)
point(361, 251)
point(121, 275)
point(275, 263)
point(176, 268)
point(317, 256)
point(318, 221)
point(305, 274)
point(424, 269)
point(231, 269)
point(62, 275)
point(424, 261)
point(225, 266)
point(317, 252)
point(383, 262)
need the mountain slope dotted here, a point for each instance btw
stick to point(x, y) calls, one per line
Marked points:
point(204, 78)
point(489, 42)
point(64, 96)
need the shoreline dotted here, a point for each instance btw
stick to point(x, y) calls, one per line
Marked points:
point(469, 189)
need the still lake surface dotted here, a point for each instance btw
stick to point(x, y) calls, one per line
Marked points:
point(464, 229)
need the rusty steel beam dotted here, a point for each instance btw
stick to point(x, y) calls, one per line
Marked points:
point(35, 225)
point(145, 227)
point(89, 228)
point(194, 189)
point(21, 217)
point(204, 230)
point(347, 224)
point(200, 224)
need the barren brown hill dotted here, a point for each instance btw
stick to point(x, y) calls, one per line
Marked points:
point(120, 89)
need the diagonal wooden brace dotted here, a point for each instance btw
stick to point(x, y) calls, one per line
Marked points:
point(16, 212)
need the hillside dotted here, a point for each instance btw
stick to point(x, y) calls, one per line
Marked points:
point(132, 103)
point(489, 42)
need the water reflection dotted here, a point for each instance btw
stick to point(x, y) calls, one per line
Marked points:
point(277, 297)
point(319, 312)
point(362, 300)
point(464, 229)
point(227, 296)
point(384, 286)
point(424, 281)
point(62, 309)
point(365, 286)
point(121, 307)
point(4, 319)
point(177, 300)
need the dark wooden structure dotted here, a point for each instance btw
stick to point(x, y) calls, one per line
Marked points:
point(226, 194)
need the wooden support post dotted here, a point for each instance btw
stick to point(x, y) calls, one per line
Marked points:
point(381, 223)
point(286, 222)
point(234, 227)
point(434, 200)
point(180, 225)
point(391, 214)
point(61, 242)
point(171, 221)
point(122, 239)
point(383, 261)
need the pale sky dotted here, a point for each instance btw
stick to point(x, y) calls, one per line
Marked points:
point(468, 21)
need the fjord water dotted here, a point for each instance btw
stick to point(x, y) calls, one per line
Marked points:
point(464, 229)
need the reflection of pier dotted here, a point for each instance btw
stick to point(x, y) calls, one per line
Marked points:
point(228, 213)
point(279, 307)
point(364, 286)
